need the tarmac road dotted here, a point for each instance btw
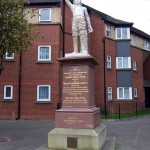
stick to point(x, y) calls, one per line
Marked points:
point(24, 134)
point(133, 134)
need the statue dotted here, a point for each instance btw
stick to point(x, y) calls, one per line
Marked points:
point(80, 17)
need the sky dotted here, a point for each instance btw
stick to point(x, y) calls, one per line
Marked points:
point(136, 11)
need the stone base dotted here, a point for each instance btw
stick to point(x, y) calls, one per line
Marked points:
point(81, 139)
point(76, 54)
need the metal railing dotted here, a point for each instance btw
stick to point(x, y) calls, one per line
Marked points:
point(124, 110)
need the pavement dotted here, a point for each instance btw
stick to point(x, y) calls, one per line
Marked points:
point(132, 134)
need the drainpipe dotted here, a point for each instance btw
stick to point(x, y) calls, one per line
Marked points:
point(19, 88)
point(20, 77)
point(63, 23)
point(104, 77)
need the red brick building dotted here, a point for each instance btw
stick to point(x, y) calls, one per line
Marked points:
point(30, 83)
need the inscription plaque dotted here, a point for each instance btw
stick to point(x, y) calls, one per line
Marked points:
point(75, 86)
point(72, 142)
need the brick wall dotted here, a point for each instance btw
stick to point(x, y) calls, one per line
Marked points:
point(137, 76)
point(96, 47)
point(9, 76)
point(111, 74)
point(35, 73)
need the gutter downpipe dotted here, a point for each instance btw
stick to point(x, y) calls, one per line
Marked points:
point(63, 28)
point(105, 78)
point(19, 82)
point(19, 88)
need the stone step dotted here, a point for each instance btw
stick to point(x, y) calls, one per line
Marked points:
point(110, 144)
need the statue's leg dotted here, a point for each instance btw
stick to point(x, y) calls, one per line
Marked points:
point(83, 36)
point(75, 35)
point(84, 43)
point(75, 44)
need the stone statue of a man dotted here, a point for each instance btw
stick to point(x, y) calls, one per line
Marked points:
point(80, 17)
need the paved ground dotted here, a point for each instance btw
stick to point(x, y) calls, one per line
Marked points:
point(24, 134)
point(131, 134)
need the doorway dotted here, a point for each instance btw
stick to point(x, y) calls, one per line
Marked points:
point(147, 97)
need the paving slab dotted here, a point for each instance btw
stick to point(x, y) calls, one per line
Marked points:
point(132, 134)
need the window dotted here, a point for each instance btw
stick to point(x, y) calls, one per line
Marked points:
point(123, 62)
point(108, 31)
point(124, 93)
point(133, 40)
point(122, 33)
point(9, 55)
point(44, 14)
point(135, 92)
point(43, 92)
point(134, 65)
point(146, 45)
point(44, 53)
point(108, 62)
point(109, 93)
point(8, 92)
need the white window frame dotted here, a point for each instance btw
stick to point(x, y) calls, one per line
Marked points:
point(109, 91)
point(128, 33)
point(135, 92)
point(9, 57)
point(122, 67)
point(134, 65)
point(49, 90)
point(130, 93)
point(11, 96)
point(133, 40)
point(39, 48)
point(108, 62)
point(108, 31)
point(50, 13)
point(146, 45)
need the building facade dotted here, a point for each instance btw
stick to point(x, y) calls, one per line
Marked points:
point(30, 83)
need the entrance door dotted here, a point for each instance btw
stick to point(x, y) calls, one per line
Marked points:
point(147, 97)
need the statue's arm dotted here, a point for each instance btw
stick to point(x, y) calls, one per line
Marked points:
point(70, 5)
point(90, 29)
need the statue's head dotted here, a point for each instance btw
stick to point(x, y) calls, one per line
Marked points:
point(77, 2)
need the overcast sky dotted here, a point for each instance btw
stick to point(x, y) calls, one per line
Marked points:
point(136, 11)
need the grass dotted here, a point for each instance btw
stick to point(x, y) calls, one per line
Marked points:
point(126, 115)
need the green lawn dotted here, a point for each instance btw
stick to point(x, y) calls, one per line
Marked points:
point(126, 115)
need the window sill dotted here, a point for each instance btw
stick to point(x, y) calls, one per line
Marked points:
point(44, 62)
point(124, 100)
point(44, 21)
point(43, 102)
point(48, 23)
point(9, 60)
point(7, 100)
point(123, 69)
point(123, 40)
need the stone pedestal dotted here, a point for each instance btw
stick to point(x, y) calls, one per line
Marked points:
point(77, 123)
point(80, 139)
